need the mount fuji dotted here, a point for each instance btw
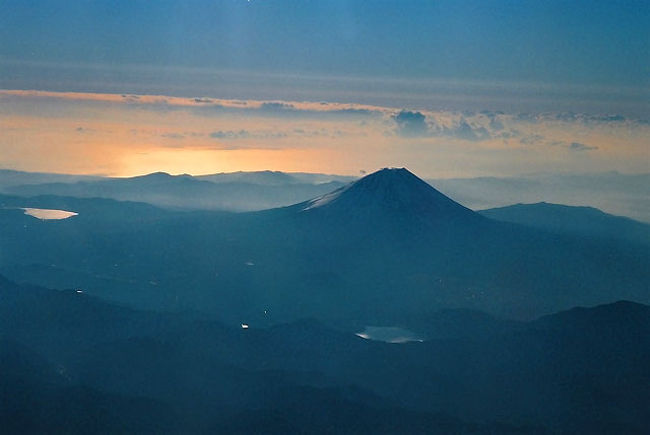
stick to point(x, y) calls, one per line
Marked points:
point(391, 191)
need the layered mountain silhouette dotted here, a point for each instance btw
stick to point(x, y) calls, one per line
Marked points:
point(385, 250)
point(620, 194)
point(274, 178)
point(71, 362)
point(585, 221)
point(614, 192)
point(233, 192)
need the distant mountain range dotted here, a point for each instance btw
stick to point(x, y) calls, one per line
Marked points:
point(253, 191)
point(612, 192)
point(275, 178)
point(585, 221)
point(620, 194)
point(385, 250)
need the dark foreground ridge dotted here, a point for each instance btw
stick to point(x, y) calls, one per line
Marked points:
point(73, 363)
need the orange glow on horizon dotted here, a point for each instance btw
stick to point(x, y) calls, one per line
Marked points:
point(115, 135)
point(198, 162)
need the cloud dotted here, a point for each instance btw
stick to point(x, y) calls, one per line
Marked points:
point(205, 105)
point(418, 124)
point(131, 98)
point(608, 118)
point(585, 118)
point(577, 146)
point(496, 124)
point(574, 118)
point(354, 111)
point(246, 134)
point(229, 134)
point(509, 134)
point(531, 139)
point(173, 135)
point(308, 110)
point(463, 130)
point(273, 106)
point(411, 124)
point(323, 132)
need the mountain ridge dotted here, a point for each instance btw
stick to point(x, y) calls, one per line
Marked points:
point(580, 220)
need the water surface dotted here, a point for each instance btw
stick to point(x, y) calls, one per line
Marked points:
point(48, 214)
point(389, 334)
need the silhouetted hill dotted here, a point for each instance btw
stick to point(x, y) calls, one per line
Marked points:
point(9, 178)
point(613, 192)
point(582, 370)
point(250, 191)
point(625, 317)
point(97, 208)
point(267, 178)
point(38, 397)
point(168, 373)
point(582, 221)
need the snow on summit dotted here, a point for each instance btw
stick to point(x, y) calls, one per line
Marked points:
point(389, 191)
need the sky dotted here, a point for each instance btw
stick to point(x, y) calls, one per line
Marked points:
point(446, 88)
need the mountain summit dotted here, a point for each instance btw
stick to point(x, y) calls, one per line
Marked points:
point(389, 192)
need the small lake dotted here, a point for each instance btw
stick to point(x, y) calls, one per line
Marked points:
point(389, 334)
point(48, 214)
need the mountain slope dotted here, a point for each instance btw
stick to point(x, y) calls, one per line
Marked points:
point(390, 191)
point(582, 221)
point(612, 192)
